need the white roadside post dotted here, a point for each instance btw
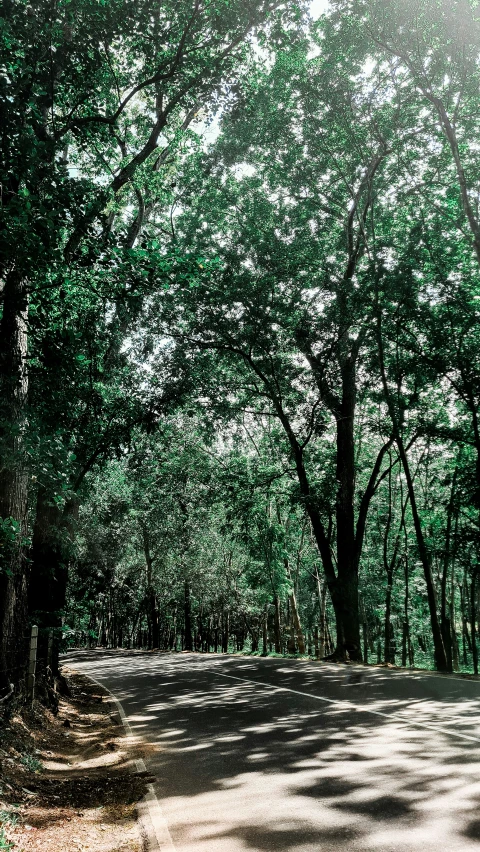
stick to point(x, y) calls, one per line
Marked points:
point(32, 662)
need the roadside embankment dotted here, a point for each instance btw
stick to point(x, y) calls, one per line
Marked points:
point(66, 780)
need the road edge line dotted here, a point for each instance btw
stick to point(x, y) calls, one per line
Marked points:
point(153, 825)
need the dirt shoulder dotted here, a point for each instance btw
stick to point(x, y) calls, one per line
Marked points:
point(66, 780)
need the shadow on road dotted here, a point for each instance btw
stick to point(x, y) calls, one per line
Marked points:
point(244, 766)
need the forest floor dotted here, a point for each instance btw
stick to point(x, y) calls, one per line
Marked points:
point(66, 783)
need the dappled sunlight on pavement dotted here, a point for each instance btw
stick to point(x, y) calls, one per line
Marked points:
point(264, 754)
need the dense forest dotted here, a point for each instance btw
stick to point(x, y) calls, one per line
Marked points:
point(239, 342)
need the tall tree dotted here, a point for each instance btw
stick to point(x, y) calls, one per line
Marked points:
point(92, 97)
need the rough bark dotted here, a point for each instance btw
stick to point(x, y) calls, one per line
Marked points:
point(48, 576)
point(13, 479)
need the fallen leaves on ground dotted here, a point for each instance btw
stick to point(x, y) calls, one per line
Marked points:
point(65, 781)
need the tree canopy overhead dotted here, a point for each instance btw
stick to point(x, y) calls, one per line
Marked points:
point(240, 392)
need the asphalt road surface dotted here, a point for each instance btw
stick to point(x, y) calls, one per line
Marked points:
point(273, 755)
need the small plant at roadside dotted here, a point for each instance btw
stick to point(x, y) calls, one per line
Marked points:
point(6, 818)
point(5, 846)
point(31, 763)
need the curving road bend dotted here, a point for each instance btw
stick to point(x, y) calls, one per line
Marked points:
point(274, 755)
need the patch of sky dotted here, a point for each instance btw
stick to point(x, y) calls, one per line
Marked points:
point(318, 8)
point(241, 170)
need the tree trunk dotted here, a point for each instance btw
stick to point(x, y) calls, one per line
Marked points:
point(322, 602)
point(440, 655)
point(406, 628)
point(151, 606)
point(291, 646)
point(329, 646)
point(226, 632)
point(276, 623)
point(347, 568)
point(13, 482)
point(445, 621)
point(387, 628)
point(364, 631)
point(296, 623)
point(47, 588)
point(466, 644)
point(265, 632)
point(188, 640)
point(344, 587)
point(473, 621)
point(389, 565)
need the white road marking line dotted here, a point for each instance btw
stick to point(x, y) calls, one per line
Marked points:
point(349, 706)
point(153, 821)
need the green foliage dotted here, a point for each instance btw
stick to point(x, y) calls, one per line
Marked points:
point(4, 844)
point(7, 817)
point(205, 317)
point(9, 540)
point(31, 763)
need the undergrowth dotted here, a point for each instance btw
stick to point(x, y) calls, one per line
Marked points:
point(6, 818)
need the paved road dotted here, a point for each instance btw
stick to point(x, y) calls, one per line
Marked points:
point(272, 755)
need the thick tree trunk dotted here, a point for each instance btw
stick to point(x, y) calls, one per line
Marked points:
point(13, 482)
point(47, 586)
